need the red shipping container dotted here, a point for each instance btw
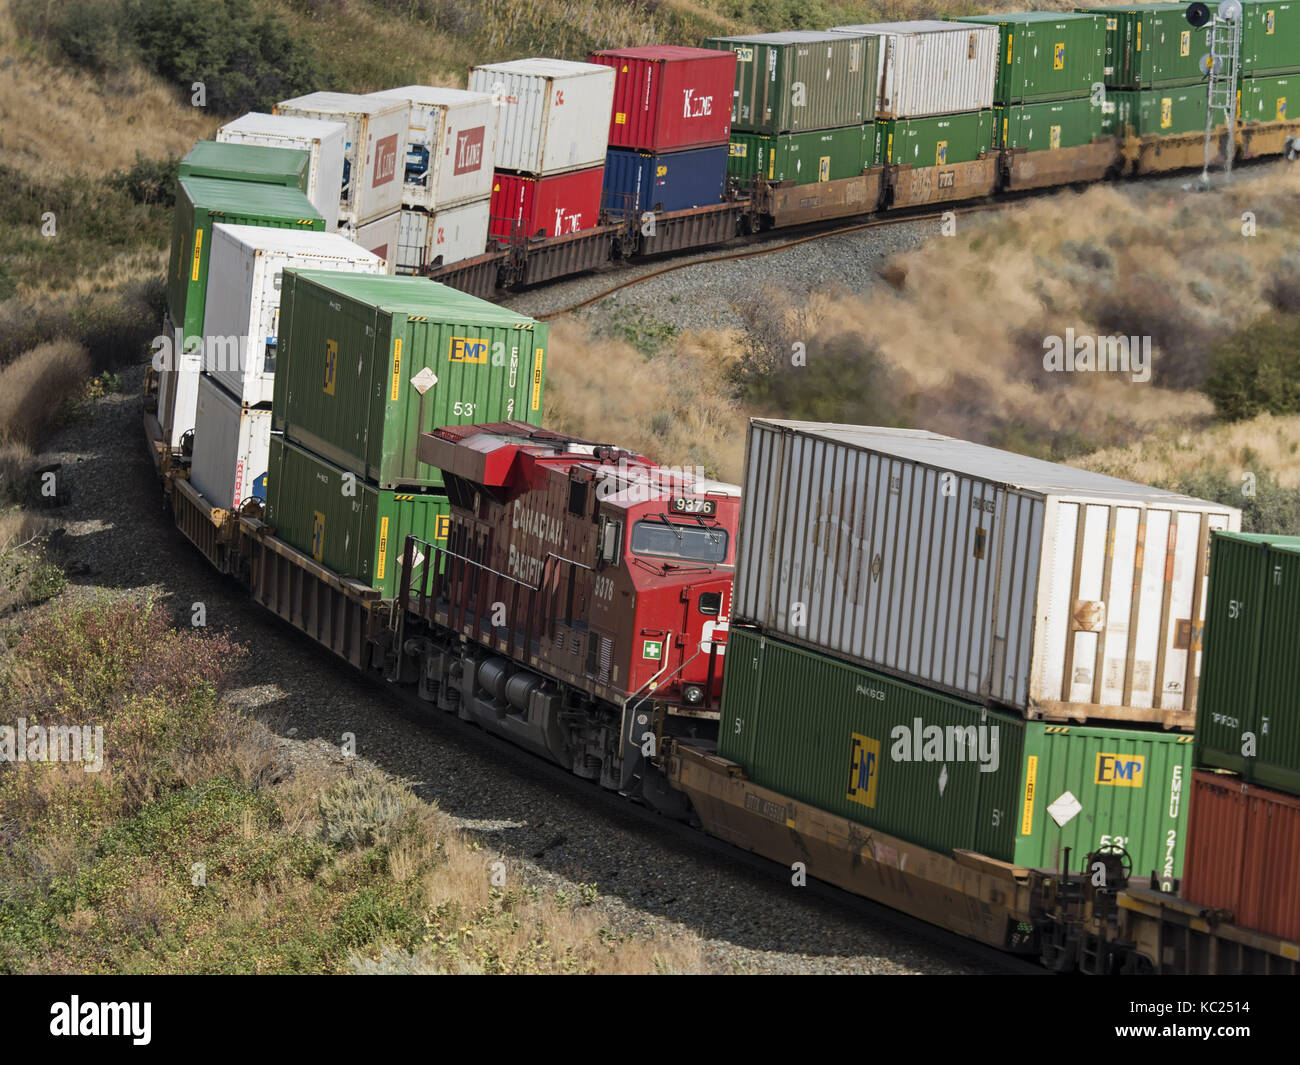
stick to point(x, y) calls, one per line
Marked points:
point(668, 97)
point(1243, 853)
point(547, 206)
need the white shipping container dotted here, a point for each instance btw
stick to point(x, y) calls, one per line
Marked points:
point(178, 396)
point(380, 238)
point(454, 233)
point(553, 114)
point(232, 447)
point(451, 145)
point(324, 141)
point(933, 68)
point(1005, 579)
point(374, 154)
point(243, 300)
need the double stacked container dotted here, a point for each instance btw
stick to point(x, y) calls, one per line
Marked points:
point(936, 91)
point(669, 128)
point(803, 106)
point(233, 422)
point(290, 167)
point(374, 156)
point(450, 153)
point(201, 204)
point(553, 120)
point(324, 143)
point(1043, 90)
point(1270, 61)
point(366, 365)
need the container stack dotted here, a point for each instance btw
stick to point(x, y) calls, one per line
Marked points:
point(971, 649)
point(370, 196)
point(1244, 834)
point(1270, 60)
point(553, 120)
point(803, 106)
point(1043, 87)
point(936, 91)
point(232, 434)
point(447, 190)
point(324, 143)
point(365, 365)
point(669, 129)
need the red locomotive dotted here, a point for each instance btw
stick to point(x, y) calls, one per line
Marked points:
point(579, 604)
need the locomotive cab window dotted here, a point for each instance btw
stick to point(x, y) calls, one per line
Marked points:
point(710, 603)
point(577, 497)
point(662, 539)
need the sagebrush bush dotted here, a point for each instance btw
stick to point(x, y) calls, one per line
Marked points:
point(360, 811)
point(1257, 370)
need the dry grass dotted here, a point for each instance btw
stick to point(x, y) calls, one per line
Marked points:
point(33, 387)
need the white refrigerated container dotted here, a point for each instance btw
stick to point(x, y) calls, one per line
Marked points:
point(324, 141)
point(232, 446)
point(452, 233)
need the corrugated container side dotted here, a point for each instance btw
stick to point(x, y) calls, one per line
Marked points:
point(231, 447)
point(803, 158)
point(1166, 111)
point(351, 527)
point(1149, 45)
point(939, 141)
point(671, 181)
point(933, 68)
point(325, 142)
point(289, 167)
point(1047, 126)
point(380, 238)
point(449, 234)
point(1270, 42)
point(1031, 598)
point(1265, 99)
point(800, 81)
point(548, 206)
point(355, 349)
point(554, 115)
point(668, 98)
point(1046, 56)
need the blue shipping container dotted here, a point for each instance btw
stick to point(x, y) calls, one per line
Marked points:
point(671, 181)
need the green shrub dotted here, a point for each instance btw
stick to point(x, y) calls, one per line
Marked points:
point(1257, 370)
point(149, 181)
point(1272, 508)
point(361, 811)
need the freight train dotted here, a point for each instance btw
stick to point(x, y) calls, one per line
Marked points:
point(960, 682)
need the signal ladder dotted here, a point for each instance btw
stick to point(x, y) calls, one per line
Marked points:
point(1221, 65)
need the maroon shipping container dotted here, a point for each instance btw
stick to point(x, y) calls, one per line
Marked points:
point(667, 97)
point(547, 206)
point(1243, 853)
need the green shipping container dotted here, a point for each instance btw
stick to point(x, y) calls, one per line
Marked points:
point(939, 141)
point(368, 362)
point(289, 167)
point(801, 80)
point(1265, 99)
point(1047, 126)
point(344, 523)
point(1150, 44)
point(908, 761)
point(803, 158)
point(1046, 55)
point(1167, 112)
point(1248, 705)
point(1270, 37)
point(202, 202)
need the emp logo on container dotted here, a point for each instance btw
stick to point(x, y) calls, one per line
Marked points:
point(1120, 771)
point(469, 150)
point(467, 349)
point(864, 769)
point(385, 161)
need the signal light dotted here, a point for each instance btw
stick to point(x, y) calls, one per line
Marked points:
point(1198, 14)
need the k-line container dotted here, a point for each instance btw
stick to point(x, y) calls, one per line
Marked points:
point(374, 154)
point(447, 235)
point(941, 140)
point(1151, 44)
point(549, 206)
point(368, 363)
point(1264, 99)
point(202, 203)
point(987, 574)
point(290, 167)
point(243, 299)
point(801, 80)
point(944, 772)
point(668, 181)
point(667, 97)
point(553, 116)
point(347, 524)
point(380, 238)
point(1243, 854)
point(1167, 111)
point(1046, 55)
point(803, 158)
point(932, 68)
point(324, 142)
point(451, 145)
point(231, 447)
point(1047, 126)
point(1248, 710)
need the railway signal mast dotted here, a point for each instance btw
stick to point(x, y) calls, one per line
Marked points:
point(1221, 66)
